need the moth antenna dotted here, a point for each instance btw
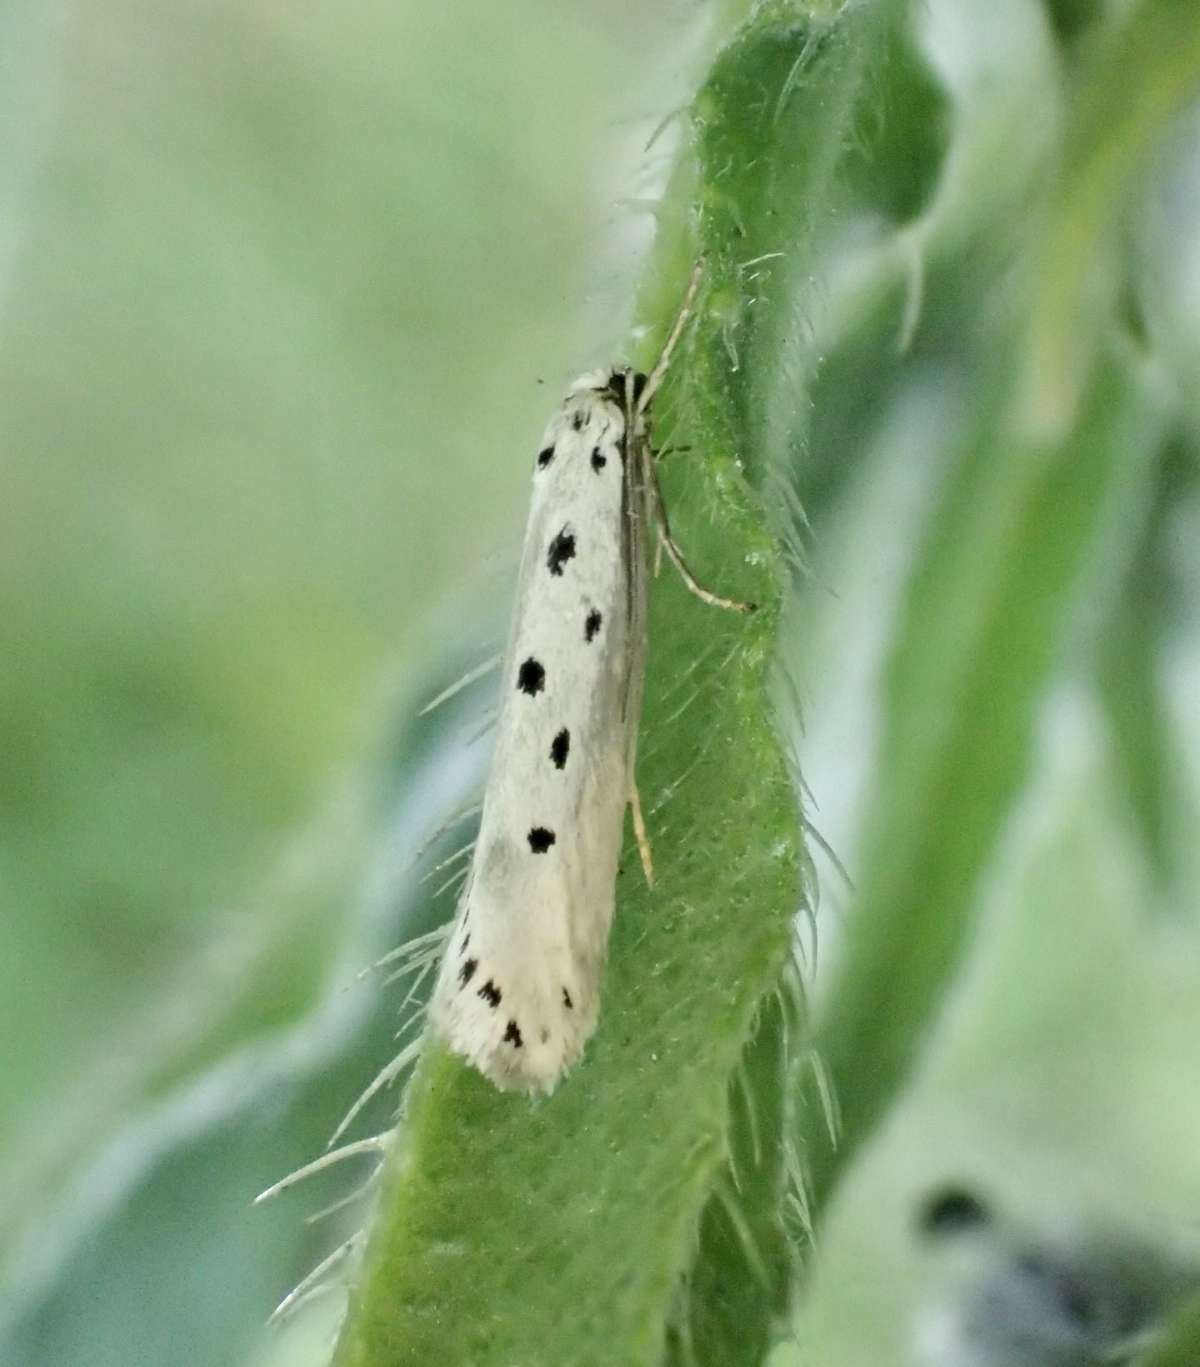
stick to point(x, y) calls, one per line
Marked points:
point(664, 356)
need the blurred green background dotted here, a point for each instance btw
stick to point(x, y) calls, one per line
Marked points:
point(286, 293)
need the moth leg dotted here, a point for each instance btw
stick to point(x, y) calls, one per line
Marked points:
point(661, 454)
point(639, 831)
point(666, 542)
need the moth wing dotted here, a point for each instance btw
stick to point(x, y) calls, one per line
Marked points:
point(518, 992)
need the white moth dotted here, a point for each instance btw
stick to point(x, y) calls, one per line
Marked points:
point(518, 991)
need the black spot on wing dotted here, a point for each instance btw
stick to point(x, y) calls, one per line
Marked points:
point(540, 839)
point(562, 549)
point(531, 677)
point(512, 1035)
point(467, 971)
point(544, 457)
point(490, 993)
point(591, 625)
point(577, 420)
point(599, 459)
point(560, 748)
point(567, 1002)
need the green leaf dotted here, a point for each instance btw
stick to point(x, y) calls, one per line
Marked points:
point(561, 1228)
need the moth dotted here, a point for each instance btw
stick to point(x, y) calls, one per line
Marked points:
point(518, 990)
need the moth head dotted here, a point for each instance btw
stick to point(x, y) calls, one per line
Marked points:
point(617, 384)
point(625, 385)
